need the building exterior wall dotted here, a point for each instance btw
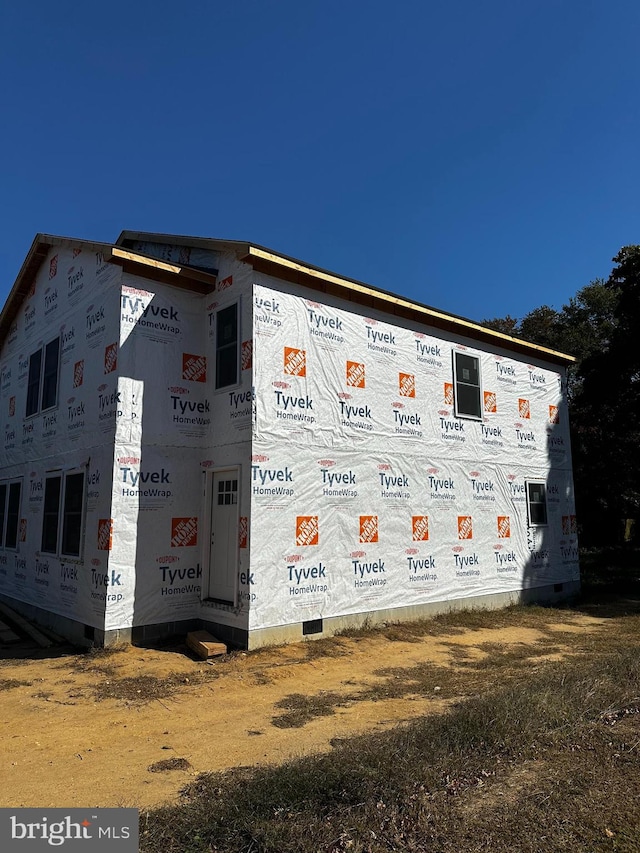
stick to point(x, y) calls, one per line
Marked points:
point(382, 498)
point(176, 431)
point(74, 297)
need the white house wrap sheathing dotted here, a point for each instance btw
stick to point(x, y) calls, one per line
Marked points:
point(358, 488)
point(367, 493)
point(75, 295)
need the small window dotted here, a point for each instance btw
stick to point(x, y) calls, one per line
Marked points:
point(227, 347)
point(537, 504)
point(42, 382)
point(63, 515)
point(467, 390)
point(10, 513)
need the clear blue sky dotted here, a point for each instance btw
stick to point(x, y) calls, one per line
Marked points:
point(483, 158)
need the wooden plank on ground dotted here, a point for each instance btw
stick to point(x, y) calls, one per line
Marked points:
point(205, 645)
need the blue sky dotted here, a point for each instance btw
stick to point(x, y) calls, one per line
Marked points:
point(483, 158)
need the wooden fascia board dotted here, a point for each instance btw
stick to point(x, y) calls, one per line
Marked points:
point(180, 276)
point(355, 291)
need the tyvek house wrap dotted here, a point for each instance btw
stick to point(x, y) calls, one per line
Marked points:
point(74, 296)
point(176, 428)
point(379, 495)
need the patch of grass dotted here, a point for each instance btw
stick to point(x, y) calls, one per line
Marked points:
point(169, 764)
point(301, 708)
point(142, 688)
point(330, 647)
point(531, 765)
point(12, 683)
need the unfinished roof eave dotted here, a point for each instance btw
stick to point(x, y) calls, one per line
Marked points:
point(266, 261)
point(133, 262)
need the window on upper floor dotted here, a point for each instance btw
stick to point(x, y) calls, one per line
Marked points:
point(467, 394)
point(42, 382)
point(227, 349)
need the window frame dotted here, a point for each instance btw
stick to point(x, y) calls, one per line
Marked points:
point(4, 513)
point(43, 379)
point(544, 503)
point(237, 344)
point(456, 381)
point(63, 513)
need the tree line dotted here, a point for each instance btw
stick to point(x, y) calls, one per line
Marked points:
point(600, 326)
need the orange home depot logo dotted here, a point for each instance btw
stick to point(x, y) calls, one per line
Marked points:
point(53, 267)
point(194, 367)
point(295, 361)
point(184, 532)
point(105, 534)
point(110, 358)
point(569, 525)
point(407, 384)
point(465, 527)
point(243, 531)
point(504, 527)
point(23, 530)
point(78, 373)
point(554, 415)
point(368, 528)
point(307, 530)
point(355, 374)
point(246, 357)
point(490, 402)
point(448, 394)
point(420, 525)
point(524, 409)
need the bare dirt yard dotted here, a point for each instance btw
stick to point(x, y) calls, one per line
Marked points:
point(131, 727)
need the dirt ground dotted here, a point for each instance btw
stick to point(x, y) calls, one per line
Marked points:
point(85, 729)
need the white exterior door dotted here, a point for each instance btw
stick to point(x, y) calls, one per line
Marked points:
point(223, 555)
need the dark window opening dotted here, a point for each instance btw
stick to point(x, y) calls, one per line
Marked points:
point(51, 515)
point(467, 393)
point(537, 503)
point(42, 382)
point(227, 347)
point(72, 514)
point(13, 516)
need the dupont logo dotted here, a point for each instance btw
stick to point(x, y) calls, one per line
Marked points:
point(110, 358)
point(23, 530)
point(243, 531)
point(184, 532)
point(307, 530)
point(105, 534)
point(465, 527)
point(77, 251)
point(569, 525)
point(225, 284)
point(554, 415)
point(420, 527)
point(53, 267)
point(12, 406)
point(368, 528)
point(355, 374)
point(490, 402)
point(78, 373)
point(194, 367)
point(295, 361)
point(407, 384)
point(504, 527)
point(246, 355)
point(448, 394)
point(524, 409)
